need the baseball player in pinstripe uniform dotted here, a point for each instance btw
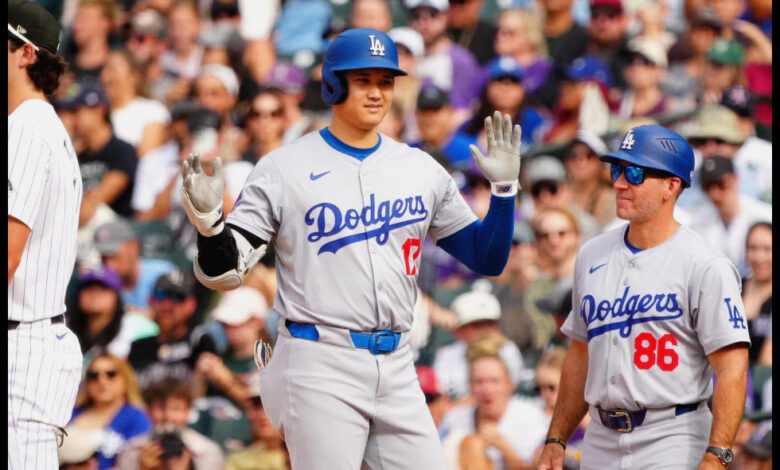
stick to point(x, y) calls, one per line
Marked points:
point(44, 196)
point(347, 209)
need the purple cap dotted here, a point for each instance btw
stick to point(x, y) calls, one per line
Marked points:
point(286, 77)
point(102, 275)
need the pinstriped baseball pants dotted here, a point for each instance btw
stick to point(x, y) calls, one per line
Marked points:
point(44, 371)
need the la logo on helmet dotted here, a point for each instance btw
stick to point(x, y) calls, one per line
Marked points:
point(376, 46)
point(628, 140)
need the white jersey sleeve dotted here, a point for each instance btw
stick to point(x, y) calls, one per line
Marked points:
point(453, 213)
point(258, 207)
point(29, 159)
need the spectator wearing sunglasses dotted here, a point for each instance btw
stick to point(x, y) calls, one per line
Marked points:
point(267, 450)
point(96, 313)
point(725, 220)
point(146, 42)
point(265, 124)
point(607, 36)
point(588, 179)
point(109, 408)
point(547, 180)
point(173, 352)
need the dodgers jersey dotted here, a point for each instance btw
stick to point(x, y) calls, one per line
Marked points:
point(44, 193)
point(348, 234)
point(651, 318)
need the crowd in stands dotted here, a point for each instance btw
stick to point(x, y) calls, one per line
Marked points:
point(169, 376)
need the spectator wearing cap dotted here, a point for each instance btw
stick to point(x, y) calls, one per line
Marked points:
point(96, 314)
point(724, 220)
point(519, 35)
point(92, 24)
point(548, 185)
point(477, 316)
point(584, 91)
point(120, 251)
point(644, 72)
point(716, 131)
point(291, 82)
point(146, 42)
point(173, 352)
point(500, 430)
point(566, 40)
point(509, 288)
point(722, 70)
point(468, 30)
point(267, 450)
point(505, 91)
point(265, 124)
point(435, 120)
point(138, 120)
point(216, 88)
point(591, 191)
point(688, 58)
point(374, 14)
point(608, 37)
point(107, 163)
point(411, 48)
point(448, 65)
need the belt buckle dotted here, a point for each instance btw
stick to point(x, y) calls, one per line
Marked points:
point(381, 342)
point(618, 413)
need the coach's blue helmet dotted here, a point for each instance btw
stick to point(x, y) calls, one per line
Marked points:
point(359, 48)
point(656, 147)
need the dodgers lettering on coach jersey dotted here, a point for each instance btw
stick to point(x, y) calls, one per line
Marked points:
point(349, 234)
point(651, 318)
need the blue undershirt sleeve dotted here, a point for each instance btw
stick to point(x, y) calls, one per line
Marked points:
point(484, 246)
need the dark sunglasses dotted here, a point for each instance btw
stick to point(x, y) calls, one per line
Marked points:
point(634, 174)
point(276, 113)
point(713, 184)
point(696, 142)
point(507, 79)
point(550, 187)
point(93, 375)
point(610, 13)
point(638, 59)
point(162, 294)
point(548, 387)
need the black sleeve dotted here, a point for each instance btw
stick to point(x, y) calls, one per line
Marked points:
point(121, 156)
point(219, 254)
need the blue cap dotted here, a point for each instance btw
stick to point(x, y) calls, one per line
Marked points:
point(654, 146)
point(87, 91)
point(504, 66)
point(588, 68)
point(102, 275)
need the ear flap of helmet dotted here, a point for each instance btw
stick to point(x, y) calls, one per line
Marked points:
point(333, 87)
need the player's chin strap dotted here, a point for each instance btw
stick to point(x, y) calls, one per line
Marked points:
point(247, 258)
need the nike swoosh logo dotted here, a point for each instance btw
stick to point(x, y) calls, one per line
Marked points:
point(313, 177)
point(595, 268)
point(60, 336)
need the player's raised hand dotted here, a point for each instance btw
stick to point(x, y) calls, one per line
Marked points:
point(502, 163)
point(202, 195)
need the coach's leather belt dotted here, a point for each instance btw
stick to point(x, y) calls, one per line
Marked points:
point(626, 421)
point(377, 342)
point(12, 324)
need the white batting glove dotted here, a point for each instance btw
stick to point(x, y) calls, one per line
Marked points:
point(502, 164)
point(202, 195)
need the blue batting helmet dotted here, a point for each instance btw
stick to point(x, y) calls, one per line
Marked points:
point(359, 48)
point(656, 147)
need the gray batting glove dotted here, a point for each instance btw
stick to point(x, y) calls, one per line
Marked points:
point(202, 195)
point(501, 166)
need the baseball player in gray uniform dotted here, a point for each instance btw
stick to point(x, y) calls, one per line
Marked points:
point(347, 209)
point(656, 311)
point(44, 196)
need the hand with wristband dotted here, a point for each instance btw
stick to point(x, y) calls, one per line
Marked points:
point(553, 454)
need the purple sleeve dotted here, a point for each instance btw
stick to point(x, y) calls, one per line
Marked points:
point(466, 78)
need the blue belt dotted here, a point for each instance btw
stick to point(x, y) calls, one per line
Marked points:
point(626, 421)
point(378, 342)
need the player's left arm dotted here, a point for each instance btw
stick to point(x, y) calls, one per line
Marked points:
point(728, 401)
point(18, 233)
point(484, 246)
